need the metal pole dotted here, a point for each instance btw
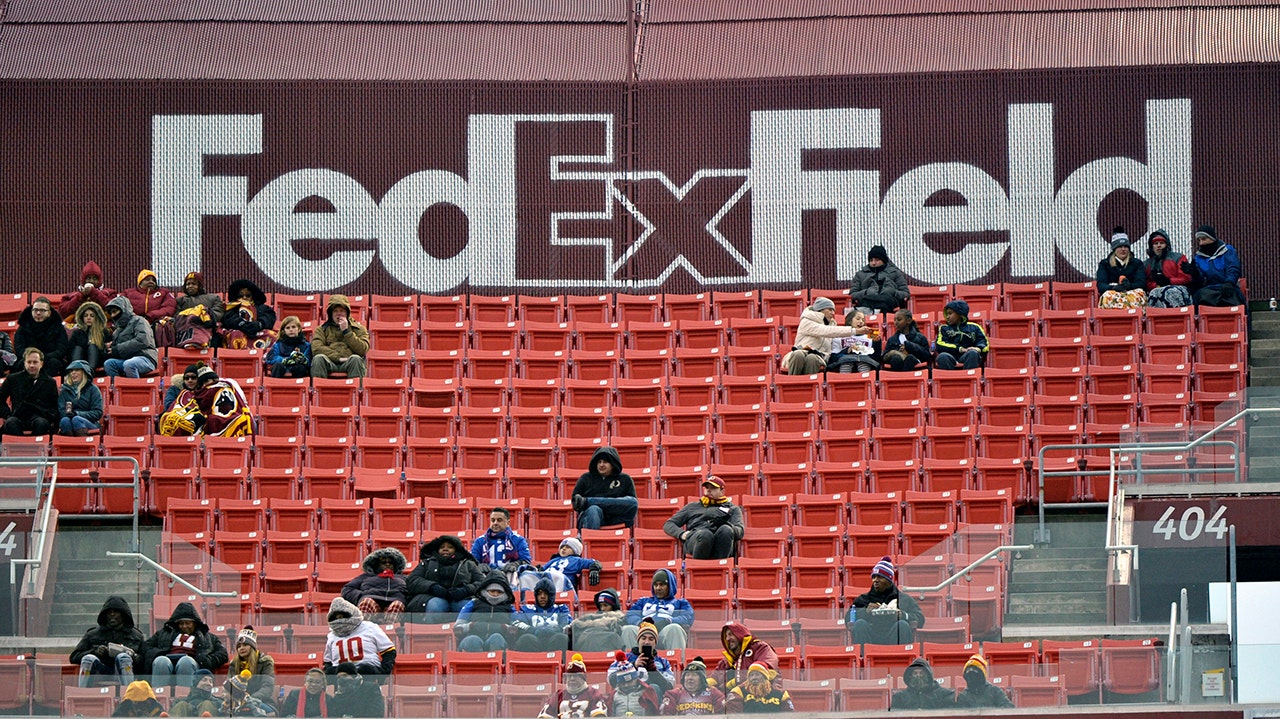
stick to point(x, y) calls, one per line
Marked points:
point(1235, 627)
point(1171, 656)
point(1184, 649)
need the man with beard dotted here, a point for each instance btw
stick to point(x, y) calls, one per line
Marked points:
point(41, 327)
point(884, 615)
point(694, 696)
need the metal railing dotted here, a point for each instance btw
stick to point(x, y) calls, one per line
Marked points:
point(144, 559)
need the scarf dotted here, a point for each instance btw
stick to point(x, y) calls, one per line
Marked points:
point(708, 502)
point(344, 626)
point(301, 711)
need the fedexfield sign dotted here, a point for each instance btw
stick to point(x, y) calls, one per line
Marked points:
point(1039, 214)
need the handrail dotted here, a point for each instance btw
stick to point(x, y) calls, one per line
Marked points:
point(87, 459)
point(34, 563)
point(165, 571)
point(966, 571)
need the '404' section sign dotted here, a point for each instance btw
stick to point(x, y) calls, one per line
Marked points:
point(1205, 522)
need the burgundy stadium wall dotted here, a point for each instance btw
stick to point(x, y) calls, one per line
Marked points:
point(394, 187)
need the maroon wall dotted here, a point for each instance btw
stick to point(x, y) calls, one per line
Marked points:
point(964, 178)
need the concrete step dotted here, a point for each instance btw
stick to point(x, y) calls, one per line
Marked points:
point(1266, 325)
point(1034, 568)
point(1039, 618)
point(1262, 376)
point(1264, 352)
point(1072, 583)
point(1058, 602)
point(1264, 469)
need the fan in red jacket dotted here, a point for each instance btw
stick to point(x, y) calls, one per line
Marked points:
point(741, 650)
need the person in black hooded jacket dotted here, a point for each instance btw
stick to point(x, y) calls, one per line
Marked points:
point(96, 654)
point(923, 691)
point(247, 321)
point(446, 578)
point(381, 587)
point(879, 285)
point(183, 645)
point(604, 495)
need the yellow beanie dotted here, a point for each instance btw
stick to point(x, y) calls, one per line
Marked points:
point(977, 660)
point(144, 274)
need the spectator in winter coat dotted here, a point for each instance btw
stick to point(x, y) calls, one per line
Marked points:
point(111, 648)
point(340, 344)
point(546, 619)
point(79, 401)
point(644, 655)
point(248, 322)
point(578, 699)
point(672, 614)
point(29, 399)
point(759, 694)
point(199, 314)
point(261, 684)
point(89, 335)
point(812, 346)
point(132, 347)
point(89, 290)
point(879, 286)
point(7, 356)
point(564, 569)
point(978, 693)
point(710, 527)
point(907, 349)
point(632, 693)
point(859, 352)
point(139, 701)
point(741, 650)
point(961, 344)
point(922, 692)
point(491, 620)
point(1122, 281)
point(884, 615)
point(352, 638)
point(381, 587)
point(312, 700)
point(290, 356)
point(200, 699)
point(500, 547)
point(183, 645)
point(151, 302)
point(694, 696)
point(446, 578)
point(1216, 268)
point(601, 630)
point(1167, 282)
point(354, 695)
point(604, 495)
point(41, 327)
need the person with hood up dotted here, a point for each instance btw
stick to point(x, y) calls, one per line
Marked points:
point(183, 645)
point(200, 700)
point(290, 356)
point(132, 347)
point(446, 578)
point(812, 347)
point(633, 695)
point(90, 289)
point(961, 344)
point(710, 527)
point(907, 349)
point(500, 547)
point(381, 587)
point(694, 696)
point(352, 638)
point(645, 656)
point(923, 691)
point(29, 399)
point(879, 286)
point(759, 693)
point(139, 700)
point(340, 343)
point(353, 696)
point(1122, 281)
point(312, 700)
point(490, 620)
point(978, 693)
point(89, 335)
point(40, 326)
point(1216, 269)
point(112, 647)
point(248, 322)
point(149, 301)
point(80, 402)
point(547, 621)
point(601, 630)
point(199, 313)
point(564, 569)
point(577, 699)
point(1167, 282)
point(741, 650)
point(261, 684)
point(884, 615)
point(671, 614)
point(604, 495)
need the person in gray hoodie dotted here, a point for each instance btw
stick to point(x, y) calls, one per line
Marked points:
point(923, 691)
point(132, 348)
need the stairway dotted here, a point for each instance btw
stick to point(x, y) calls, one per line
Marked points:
point(1264, 391)
point(85, 577)
point(1063, 583)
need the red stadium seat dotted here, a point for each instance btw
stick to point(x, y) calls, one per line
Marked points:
point(588, 308)
point(637, 308)
point(1018, 324)
point(1065, 324)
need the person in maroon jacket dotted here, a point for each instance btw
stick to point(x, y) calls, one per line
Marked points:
point(741, 650)
point(90, 289)
point(148, 300)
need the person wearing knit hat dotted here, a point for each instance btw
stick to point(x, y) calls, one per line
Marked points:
point(200, 699)
point(149, 301)
point(600, 630)
point(604, 495)
point(694, 696)
point(1122, 280)
point(759, 693)
point(340, 343)
point(961, 344)
point(671, 614)
point(979, 692)
point(198, 313)
point(815, 339)
point(248, 322)
point(879, 286)
point(261, 683)
point(633, 694)
point(1167, 280)
point(1216, 269)
point(90, 289)
point(564, 569)
point(577, 699)
point(709, 527)
point(645, 655)
point(351, 636)
point(353, 696)
point(139, 700)
point(884, 615)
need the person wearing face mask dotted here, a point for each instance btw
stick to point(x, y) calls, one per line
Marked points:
point(353, 696)
point(352, 638)
point(576, 699)
point(978, 692)
point(695, 696)
point(1216, 269)
point(922, 692)
point(1122, 280)
point(488, 622)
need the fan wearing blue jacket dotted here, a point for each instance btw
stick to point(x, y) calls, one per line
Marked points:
point(546, 619)
point(500, 547)
point(672, 615)
point(564, 569)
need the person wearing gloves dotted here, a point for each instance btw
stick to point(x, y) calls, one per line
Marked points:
point(132, 348)
point(340, 344)
point(961, 344)
point(111, 648)
point(139, 700)
point(632, 693)
point(290, 356)
point(1167, 282)
point(758, 694)
point(695, 696)
point(353, 696)
point(261, 667)
point(240, 702)
point(90, 289)
point(150, 302)
point(710, 527)
point(601, 630)
point(812, 347)
point(577, 699)
point(248, 322)
point(564, 569)
point(884, 615)
point(29, 398)
point(1122, 281)
point(923, 691)
point(645, 656)
point(546, 619)
point(381, 587)
point(879, 286)
point(1216, 269)
point(79, 401)
point(180, 647)
point(605, 495)
point(741, 650)
point(489, 621)
point(446, 578)
point(200, 701)
point(352, 638)
point(671, 614)
point(978, 693)
point(500, 547)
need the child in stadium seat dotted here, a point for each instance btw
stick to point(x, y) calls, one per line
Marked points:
point(907, 349)
point(961, 344)
point(564, 569)
point(290, 356)
point(633, 695)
